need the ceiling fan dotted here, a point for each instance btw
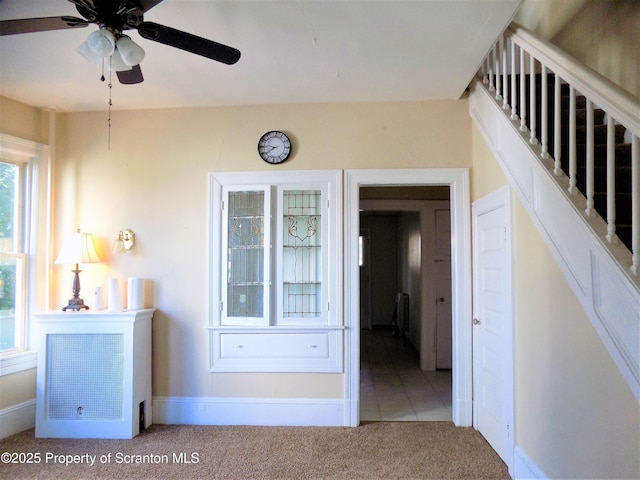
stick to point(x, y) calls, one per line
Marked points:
point(114, 17)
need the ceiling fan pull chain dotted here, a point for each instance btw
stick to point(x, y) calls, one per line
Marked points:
point(110, 103)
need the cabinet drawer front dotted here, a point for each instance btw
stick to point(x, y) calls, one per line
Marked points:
point(274, 345)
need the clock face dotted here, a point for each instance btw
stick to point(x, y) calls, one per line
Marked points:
point(274, 147)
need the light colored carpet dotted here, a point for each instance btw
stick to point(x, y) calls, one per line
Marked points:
point(377, 450)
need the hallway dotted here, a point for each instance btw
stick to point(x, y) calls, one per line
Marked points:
point(392, 386)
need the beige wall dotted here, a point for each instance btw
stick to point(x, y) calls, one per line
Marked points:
point(603, 34)
point(154, 181)
point(23, 121)
point(575, 415)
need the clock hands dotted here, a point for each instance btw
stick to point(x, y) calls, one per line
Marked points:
point(268, 148)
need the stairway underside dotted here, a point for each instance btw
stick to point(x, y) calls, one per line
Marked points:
point(596, 270)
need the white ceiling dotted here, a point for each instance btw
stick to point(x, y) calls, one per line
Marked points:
point(293, 51)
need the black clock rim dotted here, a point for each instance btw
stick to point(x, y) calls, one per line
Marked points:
point(273, 160)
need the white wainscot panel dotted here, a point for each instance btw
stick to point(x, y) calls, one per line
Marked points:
point(620, 317)
point(481, 107)
point(510, 147)
point(565, 229)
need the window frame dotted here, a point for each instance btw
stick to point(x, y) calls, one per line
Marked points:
point(33, 237)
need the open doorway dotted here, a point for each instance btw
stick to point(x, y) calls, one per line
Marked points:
point(457, 180)
point(405, 289)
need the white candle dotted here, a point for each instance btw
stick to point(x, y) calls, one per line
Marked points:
point(114, 302)
point(135, 293)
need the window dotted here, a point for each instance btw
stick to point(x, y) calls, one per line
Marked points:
point(12, 256)
point(23, 212)
point(275, 271)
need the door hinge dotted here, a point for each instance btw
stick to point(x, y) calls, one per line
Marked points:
point(222, 205)
point(505, 233)
point(221, 305)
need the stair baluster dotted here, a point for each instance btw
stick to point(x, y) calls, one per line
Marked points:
point(611, 182)
point(557, 141)
point(514, 97)
point(590, 162)
point(505, 75)
point(523, 95)
point(544, 114)
point(496, 59)
point(635, 205)
point(532, 100)
point(573, 159)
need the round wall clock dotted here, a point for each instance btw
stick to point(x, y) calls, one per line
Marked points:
point(274, 147)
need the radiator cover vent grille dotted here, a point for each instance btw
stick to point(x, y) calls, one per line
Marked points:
point(85, 376)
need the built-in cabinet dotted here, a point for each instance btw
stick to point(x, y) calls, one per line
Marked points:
point(275, 271)
point(94, 374)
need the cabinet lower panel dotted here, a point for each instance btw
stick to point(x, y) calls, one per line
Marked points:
point(261, 351)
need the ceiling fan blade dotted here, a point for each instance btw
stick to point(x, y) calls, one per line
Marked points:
point(188, 42)
point(42, 24)
point(131, 77)
point(146, 5)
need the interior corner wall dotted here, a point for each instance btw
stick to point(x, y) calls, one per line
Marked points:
point(23, 121)
point(575, 415)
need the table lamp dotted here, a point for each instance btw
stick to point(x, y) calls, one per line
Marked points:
point(77, 248)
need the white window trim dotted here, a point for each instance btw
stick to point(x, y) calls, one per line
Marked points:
point(37, 155)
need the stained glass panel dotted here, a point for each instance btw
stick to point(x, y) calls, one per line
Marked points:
point(245, 282)
point(302, 253)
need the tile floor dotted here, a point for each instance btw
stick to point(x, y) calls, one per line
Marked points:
point(392, 386)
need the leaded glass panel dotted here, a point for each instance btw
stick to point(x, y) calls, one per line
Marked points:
point(302, 253)
point(246, 242)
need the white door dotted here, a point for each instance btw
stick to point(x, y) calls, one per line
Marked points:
point(493, 323)
point(443, 288)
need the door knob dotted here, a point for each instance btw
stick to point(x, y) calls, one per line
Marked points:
point(476, 321)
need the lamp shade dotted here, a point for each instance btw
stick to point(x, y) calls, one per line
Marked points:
point(84, 50)
point(101, 42)
point(116, 64)
point(132, 53)
point(78, 248)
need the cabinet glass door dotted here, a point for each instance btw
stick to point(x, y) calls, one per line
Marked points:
point(301, 254)
point(247, 266)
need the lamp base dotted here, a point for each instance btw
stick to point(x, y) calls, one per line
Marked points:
point(75, 304)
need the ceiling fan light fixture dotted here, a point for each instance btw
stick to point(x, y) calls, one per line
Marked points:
point(116, 63)
point(84, 50)
point(101, 42)
point(131, 53)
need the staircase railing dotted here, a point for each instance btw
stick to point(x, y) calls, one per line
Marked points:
point(530, 77)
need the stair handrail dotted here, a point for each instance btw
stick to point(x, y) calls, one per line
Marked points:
point(612, 98)
point(618, 105)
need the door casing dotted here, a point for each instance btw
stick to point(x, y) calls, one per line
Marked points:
point(458, 181)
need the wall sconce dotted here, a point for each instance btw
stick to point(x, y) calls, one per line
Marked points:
point(125, 240)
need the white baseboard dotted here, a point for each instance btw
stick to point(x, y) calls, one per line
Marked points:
point(248, 411)
point(17, 418)
point(524, 467)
